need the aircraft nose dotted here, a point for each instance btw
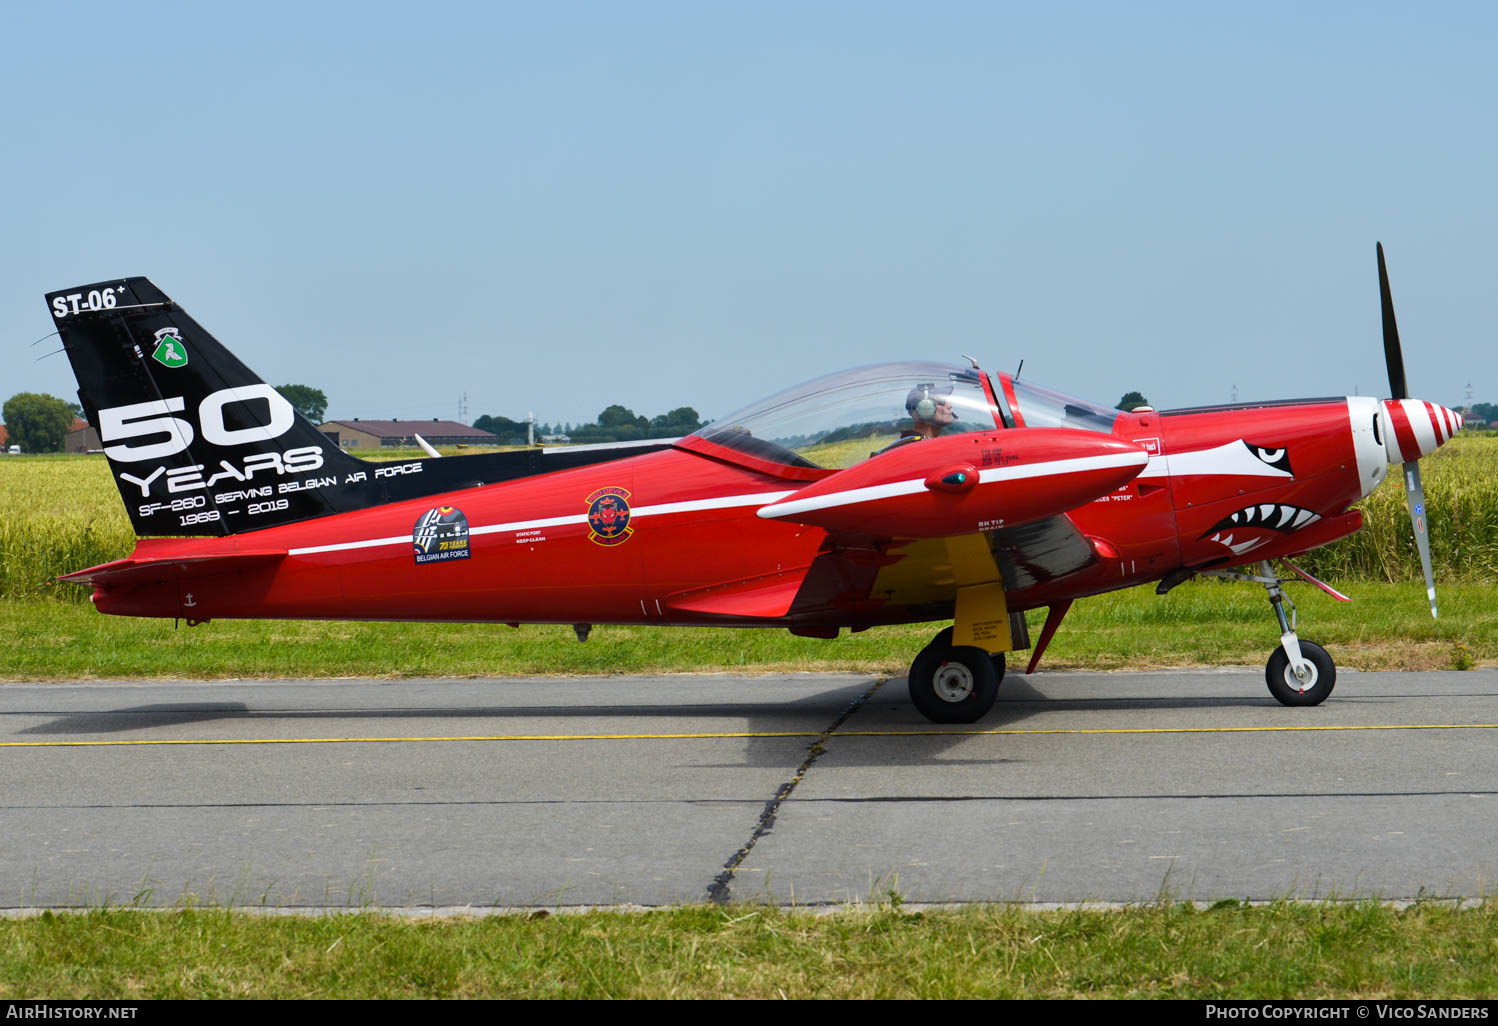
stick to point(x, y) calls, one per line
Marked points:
point(1417, 428)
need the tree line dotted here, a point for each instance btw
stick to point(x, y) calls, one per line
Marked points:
point(615, 424)
point(39, 423)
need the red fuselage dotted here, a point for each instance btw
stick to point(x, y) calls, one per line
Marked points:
point(674, 537)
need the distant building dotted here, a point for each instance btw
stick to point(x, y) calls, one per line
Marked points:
point(81, 438)
point(390, 434)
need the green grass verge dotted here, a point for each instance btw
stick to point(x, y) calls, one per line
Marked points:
point(1202, 623)
point(1283, 950)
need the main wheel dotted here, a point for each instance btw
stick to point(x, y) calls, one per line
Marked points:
point(943, 639)
point(953, 685)
point(1287, 688)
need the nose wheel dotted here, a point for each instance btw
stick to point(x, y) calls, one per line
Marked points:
point(954, 683)
point(1310, 689)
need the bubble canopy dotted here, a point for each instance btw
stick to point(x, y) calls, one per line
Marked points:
point(841, 419)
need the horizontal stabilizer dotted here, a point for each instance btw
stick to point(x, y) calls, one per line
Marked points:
point(133, 572)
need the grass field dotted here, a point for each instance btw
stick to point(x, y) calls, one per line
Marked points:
point(1284, 950)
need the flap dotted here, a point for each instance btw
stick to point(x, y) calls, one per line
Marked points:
point(766, 597)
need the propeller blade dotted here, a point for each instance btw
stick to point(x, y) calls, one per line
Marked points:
point(1393, 355)
point(1414, 494)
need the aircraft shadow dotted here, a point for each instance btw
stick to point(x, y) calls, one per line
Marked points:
point(766, 717)
point(1016, 701)
point(887, 708)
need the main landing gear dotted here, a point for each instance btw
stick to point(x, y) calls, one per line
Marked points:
point(954, 683)
point(1298, 672)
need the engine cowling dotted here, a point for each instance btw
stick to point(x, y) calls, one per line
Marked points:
point(982, 481)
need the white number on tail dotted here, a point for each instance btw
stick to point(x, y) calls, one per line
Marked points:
point(211, 415)
point(140, 420)
point(119, 422)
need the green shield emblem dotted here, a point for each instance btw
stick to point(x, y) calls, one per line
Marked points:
point(170, 352)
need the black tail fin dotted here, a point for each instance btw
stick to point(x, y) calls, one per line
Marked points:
point(198, 444)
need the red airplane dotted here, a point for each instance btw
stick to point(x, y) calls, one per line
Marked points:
point(894, 493)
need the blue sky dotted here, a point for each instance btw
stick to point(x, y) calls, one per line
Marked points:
point(556, 207)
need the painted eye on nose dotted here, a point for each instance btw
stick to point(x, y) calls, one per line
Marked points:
point(1278, 458)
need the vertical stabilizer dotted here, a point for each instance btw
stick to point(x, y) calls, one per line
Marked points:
point(197, 443)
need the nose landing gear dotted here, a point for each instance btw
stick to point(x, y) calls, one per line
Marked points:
point(1298, 672)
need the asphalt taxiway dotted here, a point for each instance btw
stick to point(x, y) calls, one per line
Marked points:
point(803, 788)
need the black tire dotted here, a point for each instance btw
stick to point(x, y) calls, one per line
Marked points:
point(953, 685)
point(1284, 685)
point(943, 639)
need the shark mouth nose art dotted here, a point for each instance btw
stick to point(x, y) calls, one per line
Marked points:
point(1267, 516)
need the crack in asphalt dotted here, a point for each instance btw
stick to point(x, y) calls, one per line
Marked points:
point(718, 890)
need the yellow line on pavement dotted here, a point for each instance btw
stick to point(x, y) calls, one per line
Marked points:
point(1178, 730)
point(377, 740)
point(728, 735)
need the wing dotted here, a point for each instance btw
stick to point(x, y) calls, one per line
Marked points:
point(862, 577)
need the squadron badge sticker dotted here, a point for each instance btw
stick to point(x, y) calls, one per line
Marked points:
point(608, 516)
point(169, 351)
point(440, 534)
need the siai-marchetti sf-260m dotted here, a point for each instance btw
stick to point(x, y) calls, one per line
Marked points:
point(894, 493)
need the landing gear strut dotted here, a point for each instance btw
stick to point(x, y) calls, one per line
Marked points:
point(1298, 672)
point(954, 683)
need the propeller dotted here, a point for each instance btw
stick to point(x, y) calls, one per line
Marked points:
point(1407, 436)
point(1393, 355)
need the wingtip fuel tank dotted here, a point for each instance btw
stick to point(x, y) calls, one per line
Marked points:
point(973, 482)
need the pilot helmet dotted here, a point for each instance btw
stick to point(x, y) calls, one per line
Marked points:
point(920, 401)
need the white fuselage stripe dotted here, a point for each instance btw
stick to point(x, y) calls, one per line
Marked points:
point(690, 506)
point(1231, 459)
point(1158, 467)
point(852, 495)
point(1077, 465)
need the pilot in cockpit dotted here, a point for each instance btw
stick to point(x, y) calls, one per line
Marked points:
point(930, 409)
